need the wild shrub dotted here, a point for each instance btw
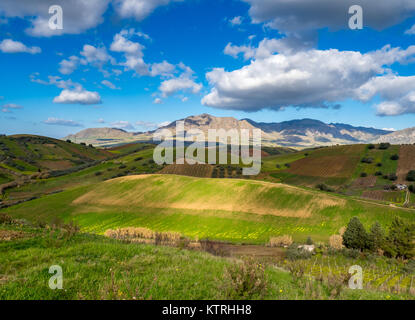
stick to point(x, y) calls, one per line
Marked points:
point(378, 173)
point(384, 145)
point(297, 270)
point(282, 241)
point(324, 187)
point(392, 177)
point(367, 160)
point(363, 174)
point(336, 283)
point(350, 253)
point(295, 253)
point(371, 146)
point(412, 188)
point(395, 157)
point(245, 281)
point(132, 233)
point(309, 241)
point(410, 176)
point(409, 267)
point(5, 219)
point(336, 242)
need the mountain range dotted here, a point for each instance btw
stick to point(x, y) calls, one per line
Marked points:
point(295, 133)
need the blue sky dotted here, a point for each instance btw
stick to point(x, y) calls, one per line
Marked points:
point(139, 63)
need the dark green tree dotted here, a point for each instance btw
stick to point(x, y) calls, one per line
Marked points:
point(400, 242)
point(377, 236)
point(356, 236)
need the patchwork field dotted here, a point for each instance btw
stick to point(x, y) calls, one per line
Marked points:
point(223, 209)
point(406, 162)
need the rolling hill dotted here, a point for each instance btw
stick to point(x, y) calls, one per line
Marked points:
point(27, 155)
point(222, 209)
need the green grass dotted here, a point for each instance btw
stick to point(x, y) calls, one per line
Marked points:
point(94, 267)
point(161, 203)
point(269, 164)
point(379, 156)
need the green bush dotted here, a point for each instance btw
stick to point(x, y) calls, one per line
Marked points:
point(392, 177)
point(324, 187)
point(400, 242)
point(367, 160)
point(411, 175)
point(5, 219)
point(395, 157)
point(295, 253)
point(363, 174)
point(355, 236)
point(350, 253)
point(384, 146)
point(245, 281)
point(412, 188)
point(371, 146)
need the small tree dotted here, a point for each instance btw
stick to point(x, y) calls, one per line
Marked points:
point(384, 145)
point(400, 240)
point(355, 236)
point(377, 237)
point(395, 157)
point(411, 176)
point(309, 241)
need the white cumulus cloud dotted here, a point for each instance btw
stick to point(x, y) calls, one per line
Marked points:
point(10, 46)
point(308, 78)
point(78, 96)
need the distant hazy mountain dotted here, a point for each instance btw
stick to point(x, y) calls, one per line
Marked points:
point(406, 136)
point(295, 133)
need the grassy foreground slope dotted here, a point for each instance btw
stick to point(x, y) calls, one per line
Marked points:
point(94, 267)
point(223, 209)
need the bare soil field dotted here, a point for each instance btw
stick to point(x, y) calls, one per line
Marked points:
point(374, 194)
point(406, 162)
point(366, 182)
point(327, 166)
point(56, 165)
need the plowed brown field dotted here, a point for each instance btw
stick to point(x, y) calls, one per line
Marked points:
point(340, 166)
point(406, 162)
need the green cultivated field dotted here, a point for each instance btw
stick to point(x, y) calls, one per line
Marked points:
point(222, 209)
